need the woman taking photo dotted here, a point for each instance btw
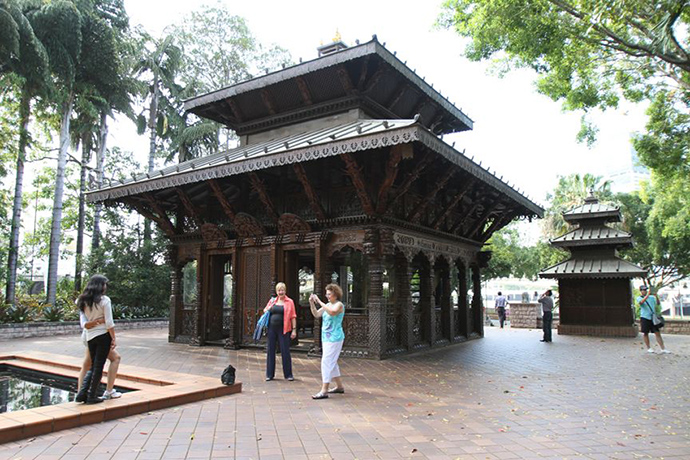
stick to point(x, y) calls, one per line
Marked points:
point(101, 338)
point(332, 337)
point(282, 327)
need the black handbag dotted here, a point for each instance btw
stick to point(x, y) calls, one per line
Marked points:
point(228, 376)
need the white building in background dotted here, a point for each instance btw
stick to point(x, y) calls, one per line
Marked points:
point(627, 176)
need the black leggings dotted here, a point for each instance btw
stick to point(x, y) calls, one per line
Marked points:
point(99, 347)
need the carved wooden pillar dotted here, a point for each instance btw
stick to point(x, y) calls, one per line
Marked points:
point(463, 307)
point(376, 308)
point(235, 338)
point(322, 276)
point(175, 315)
point(447, 317)
point(197, 317)
point(430, 285)
point(407, 315)
point(477, 310)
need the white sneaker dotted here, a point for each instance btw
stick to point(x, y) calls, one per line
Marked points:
point(666, 352)
point(111, 394)
point(650, 350)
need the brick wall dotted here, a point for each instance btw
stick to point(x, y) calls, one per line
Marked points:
point(45, 329)
point(524, 315)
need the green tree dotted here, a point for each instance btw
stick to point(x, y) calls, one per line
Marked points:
point(510, 257)
point(660, 230)
point(570, 192)
point(23, 55)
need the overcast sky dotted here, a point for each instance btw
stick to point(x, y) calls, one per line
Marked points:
point(522, 135)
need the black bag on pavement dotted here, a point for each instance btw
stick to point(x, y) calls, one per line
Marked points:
point(228, 376)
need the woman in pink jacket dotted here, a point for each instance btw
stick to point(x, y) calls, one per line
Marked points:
point(282, 327)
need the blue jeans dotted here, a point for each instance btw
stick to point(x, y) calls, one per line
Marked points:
point(275, 334)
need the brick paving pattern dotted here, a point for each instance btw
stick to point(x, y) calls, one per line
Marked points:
point(506, 396)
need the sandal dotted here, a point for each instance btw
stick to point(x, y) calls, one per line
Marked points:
point(319, 395)
point(336, 391)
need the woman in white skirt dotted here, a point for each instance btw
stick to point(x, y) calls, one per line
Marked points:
point(332, 337)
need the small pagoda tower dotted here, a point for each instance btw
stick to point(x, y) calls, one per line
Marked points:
point(594, 284)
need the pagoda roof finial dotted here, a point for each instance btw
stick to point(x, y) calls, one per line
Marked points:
point(337, 37)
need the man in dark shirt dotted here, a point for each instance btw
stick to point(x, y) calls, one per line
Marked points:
point(546, 302)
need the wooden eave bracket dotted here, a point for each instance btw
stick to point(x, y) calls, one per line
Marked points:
point(395, 155)
point(454, 202)
point(345, 80)
point(421, 206)
point(363, 74)
point(268, 101)
point(258, 186)
point(309, 191)
point(413, 176)
point(227, 207)
point(497, 224)
point(235, 109)
point(481, 222)
point(161, 219)
point(304, 91)
point(462, 219)
point(355, 173)
point(192, 210)
point(399, 93)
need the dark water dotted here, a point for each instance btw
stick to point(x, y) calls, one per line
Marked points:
point(22, 389)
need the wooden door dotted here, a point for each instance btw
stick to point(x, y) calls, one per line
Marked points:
point(256, 288)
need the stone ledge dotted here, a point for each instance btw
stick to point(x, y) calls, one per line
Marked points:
point(674, 326)
point(45, 329)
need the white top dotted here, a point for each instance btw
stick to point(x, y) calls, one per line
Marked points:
point(501, 301)
point(102, 309)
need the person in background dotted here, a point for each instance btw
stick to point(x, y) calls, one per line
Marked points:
point(332, 338)
point(546, 301)
point(113, 357)
point(94, 304)
point(649, 305)
point(501, 303)
point(282, 326)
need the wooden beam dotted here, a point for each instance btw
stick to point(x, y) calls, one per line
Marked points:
point(376, 77)
point(161, 219)
point(483, 219)
point(220, 196)
point(413, 176)
point(462, 219)
point(399, 93)
point(363, 74)
point(454, 202)
point(258, 186)
point(345, 80)
point(304, 90)
point(235, 109)
point(355, 173)
point(395, 155)
point(498, 223)
point(268, 101)
point(309, 191)
point(192, 210)
point(421, 206)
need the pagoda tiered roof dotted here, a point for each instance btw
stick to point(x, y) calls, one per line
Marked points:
point(367, 77)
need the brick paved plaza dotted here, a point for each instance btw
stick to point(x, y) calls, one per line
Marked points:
point(506, 396)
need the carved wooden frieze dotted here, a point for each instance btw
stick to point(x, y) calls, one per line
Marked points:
point(211, 233)
point(353, 239)
point(410, 245)
point(292, 223)
point(246, 226)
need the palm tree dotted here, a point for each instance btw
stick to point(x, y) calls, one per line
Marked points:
point(23, 54)
point(159, 66)
point(569, 193)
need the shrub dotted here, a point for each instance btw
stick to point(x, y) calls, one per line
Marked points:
point(53, 313)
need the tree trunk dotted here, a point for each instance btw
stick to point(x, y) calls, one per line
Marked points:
point(79, 253)
point(100, 162)
point(153, 117)
point(54, 254)
point(13, 252)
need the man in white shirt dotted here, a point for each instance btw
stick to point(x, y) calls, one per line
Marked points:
point(501, 303)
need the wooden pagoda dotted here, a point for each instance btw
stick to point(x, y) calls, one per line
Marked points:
point(341, 175)
point(594, 284)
